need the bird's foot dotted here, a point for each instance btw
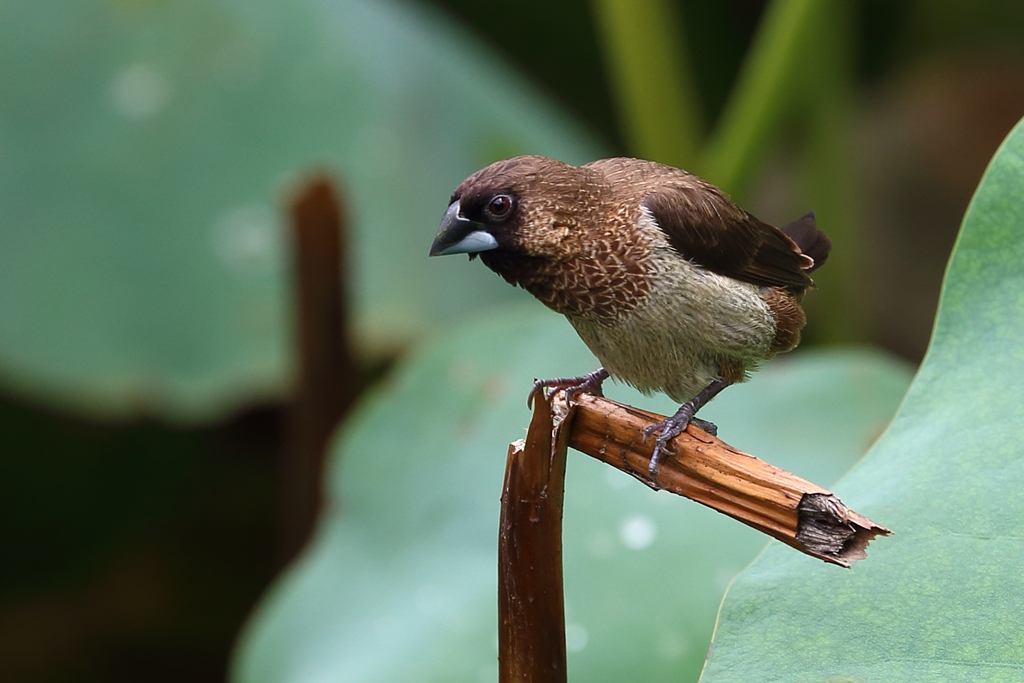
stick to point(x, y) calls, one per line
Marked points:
point(670, 430)
point(667, 430)
point(672, 427)
point(589, 383)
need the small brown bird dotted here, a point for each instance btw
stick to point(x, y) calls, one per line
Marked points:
point(671, 285)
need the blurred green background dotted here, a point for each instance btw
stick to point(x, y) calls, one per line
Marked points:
point(147, 153)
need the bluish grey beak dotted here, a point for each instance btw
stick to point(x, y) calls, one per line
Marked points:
point(460, 235)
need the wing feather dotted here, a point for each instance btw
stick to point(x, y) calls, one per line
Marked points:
point(706, 227)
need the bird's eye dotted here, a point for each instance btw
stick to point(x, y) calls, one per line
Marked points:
point(500, 207)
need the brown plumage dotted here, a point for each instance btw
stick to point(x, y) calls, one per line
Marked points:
point(671, 285)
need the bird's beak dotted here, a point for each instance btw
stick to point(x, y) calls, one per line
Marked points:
point(460, 235)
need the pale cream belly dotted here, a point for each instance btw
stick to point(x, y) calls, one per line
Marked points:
point(673, 341)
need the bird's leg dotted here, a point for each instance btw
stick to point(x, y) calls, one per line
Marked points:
point(675, 425)
point(590, 383)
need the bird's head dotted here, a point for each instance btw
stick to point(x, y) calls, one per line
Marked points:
point(524, 206)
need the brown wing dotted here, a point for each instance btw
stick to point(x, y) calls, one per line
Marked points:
point(706, 227)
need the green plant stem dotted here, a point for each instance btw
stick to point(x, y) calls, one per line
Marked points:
point(652, 79)
point(762, 93)
point(830, 177)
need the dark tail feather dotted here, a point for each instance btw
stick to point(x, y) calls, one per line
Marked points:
point(811, 241)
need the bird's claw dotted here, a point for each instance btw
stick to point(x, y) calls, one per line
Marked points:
point(669, 429)
point(589, 383)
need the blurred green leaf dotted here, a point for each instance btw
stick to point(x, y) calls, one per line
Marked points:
point(943, 599)
point(400, 582)
point(144, 150)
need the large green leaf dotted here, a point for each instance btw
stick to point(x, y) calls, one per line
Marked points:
point(943, 599)
point(145, 146)
point(400, 582)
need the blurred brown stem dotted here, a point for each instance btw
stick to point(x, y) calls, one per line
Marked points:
point(326, 381)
